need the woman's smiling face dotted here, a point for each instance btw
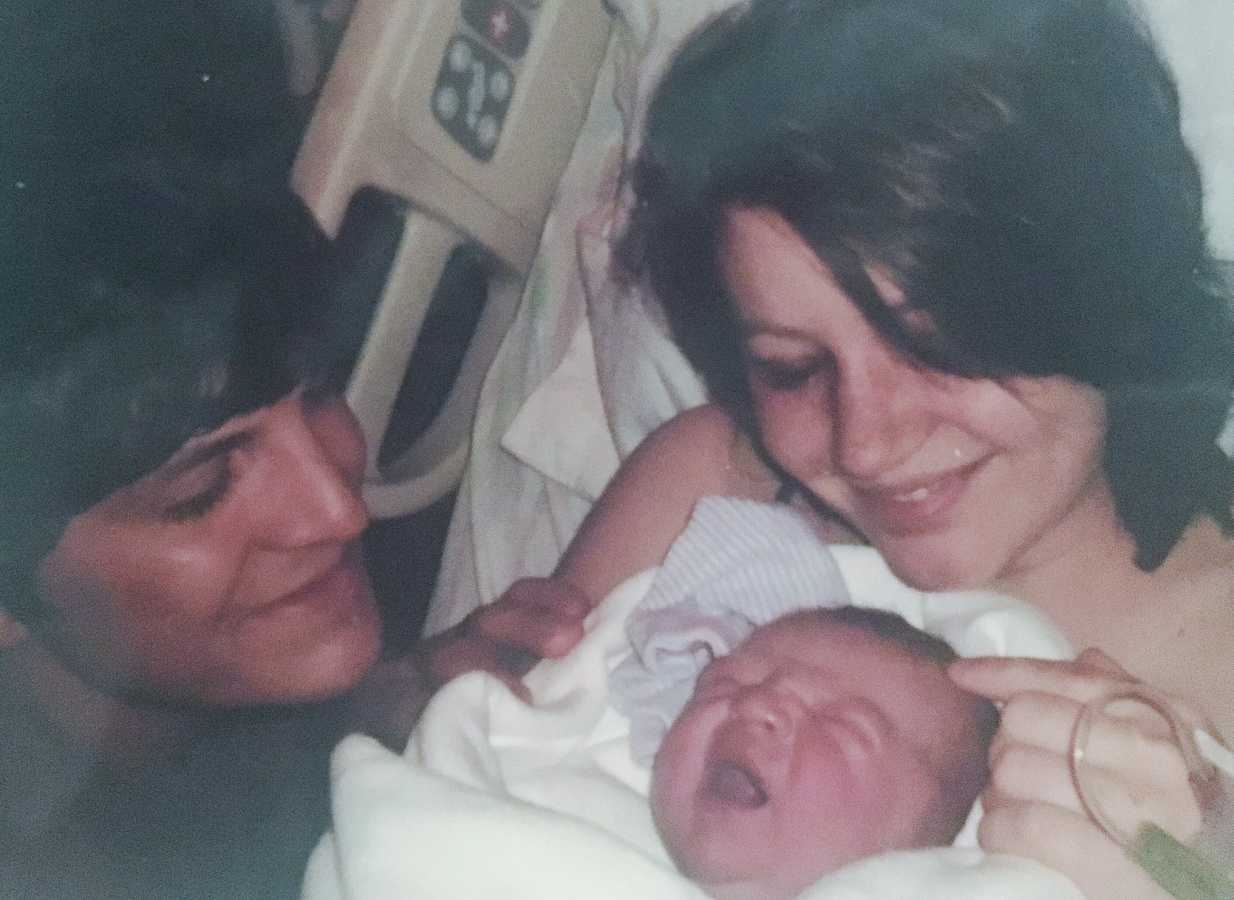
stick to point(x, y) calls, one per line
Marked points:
point(230, 575)
point(956, 481)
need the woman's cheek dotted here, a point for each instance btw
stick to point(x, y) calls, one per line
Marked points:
point(189, 578)
point(165, 575)
point(794, 431)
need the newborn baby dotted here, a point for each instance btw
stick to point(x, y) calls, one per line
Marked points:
point(827, 736)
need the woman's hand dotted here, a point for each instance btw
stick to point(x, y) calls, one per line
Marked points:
point(1031, 805)
point(535, 618)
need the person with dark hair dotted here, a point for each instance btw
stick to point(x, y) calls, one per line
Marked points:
point(1027, 227)
point(184, 609)
point(826, 736)
point(181, 580)
point(944, 268)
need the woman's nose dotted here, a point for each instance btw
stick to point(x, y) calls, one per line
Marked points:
point(882, 416)
point(318, 500)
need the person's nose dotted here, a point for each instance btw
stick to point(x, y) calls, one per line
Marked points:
point(882, 415)
point(769, 708)
point(315, 463)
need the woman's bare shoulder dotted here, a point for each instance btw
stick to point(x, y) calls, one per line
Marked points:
point(697, 453)
point(701, 426)
point(705, 446)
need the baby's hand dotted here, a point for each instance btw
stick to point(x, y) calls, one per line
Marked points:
point(1031, 805)
point(535, 618)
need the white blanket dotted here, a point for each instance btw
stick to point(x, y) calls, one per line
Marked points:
point(495, 798)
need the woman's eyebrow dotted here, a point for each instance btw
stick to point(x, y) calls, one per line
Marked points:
point(192, 457)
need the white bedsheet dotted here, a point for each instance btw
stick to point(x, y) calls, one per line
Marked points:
point(495, 798)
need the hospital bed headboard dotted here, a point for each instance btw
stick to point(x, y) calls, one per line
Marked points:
point(468, 111)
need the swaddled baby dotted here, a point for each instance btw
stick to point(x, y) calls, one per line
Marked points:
point(827, 736)
point(556, 792)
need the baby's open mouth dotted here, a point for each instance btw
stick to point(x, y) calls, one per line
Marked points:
point(734, 783)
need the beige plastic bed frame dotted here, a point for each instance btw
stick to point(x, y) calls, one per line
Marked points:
point(375, 124)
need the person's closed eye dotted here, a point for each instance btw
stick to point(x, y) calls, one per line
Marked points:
point(782, 376)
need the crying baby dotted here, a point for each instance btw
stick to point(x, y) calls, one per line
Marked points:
point(827, 736)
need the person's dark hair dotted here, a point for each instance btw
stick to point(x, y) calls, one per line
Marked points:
point(966, 770)
point(891, 627)
point(138, 308)
point(1015, 166)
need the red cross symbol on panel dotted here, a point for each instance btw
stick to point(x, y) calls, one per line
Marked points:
point(499, 24)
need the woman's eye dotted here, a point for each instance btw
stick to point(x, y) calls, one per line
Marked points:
point(197, 477)
point(781, 376)
point(203, 498)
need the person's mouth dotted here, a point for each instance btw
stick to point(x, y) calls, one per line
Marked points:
point(340, 586)
point(735, 785)
point(920, 505)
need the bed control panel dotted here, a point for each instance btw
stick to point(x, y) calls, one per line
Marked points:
point(478, 73)
point(468, 111)
point(472, 95)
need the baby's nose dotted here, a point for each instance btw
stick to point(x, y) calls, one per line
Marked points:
point(768, 708)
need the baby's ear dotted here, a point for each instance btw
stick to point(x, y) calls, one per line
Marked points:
point(12, 632)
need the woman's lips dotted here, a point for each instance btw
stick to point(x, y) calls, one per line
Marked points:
point(339, 589)
point(736, 785)
point(917, 507)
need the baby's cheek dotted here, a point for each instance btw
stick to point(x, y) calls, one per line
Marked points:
point(673, 775)
point(663, 769)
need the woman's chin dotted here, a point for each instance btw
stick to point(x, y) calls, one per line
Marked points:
point(339, 666)
point(309, 667)
point(938, 563)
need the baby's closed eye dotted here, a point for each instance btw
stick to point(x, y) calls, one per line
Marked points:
point(859, 719)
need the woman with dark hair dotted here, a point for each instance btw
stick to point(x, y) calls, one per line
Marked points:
point(179, 550)
point(944, 268)
point(1039, 226)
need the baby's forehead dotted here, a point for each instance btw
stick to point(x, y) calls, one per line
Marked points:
point(864, 662)
point(909, 687)
point(812, 634)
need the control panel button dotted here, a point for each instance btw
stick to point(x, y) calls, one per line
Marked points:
point(499, 85)
point(472, 95)
point(500, 23)
point(487, 131)
point(460, 56)
point(447, 102)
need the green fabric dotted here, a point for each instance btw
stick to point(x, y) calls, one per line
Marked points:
point(1180, 870)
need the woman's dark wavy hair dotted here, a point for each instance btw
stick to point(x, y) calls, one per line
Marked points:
point(138, 308)
point(1015, 165)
